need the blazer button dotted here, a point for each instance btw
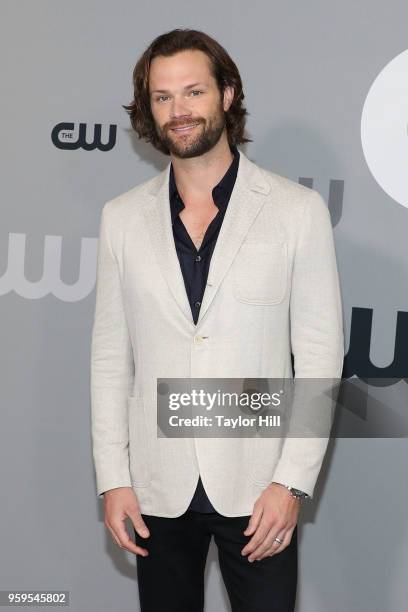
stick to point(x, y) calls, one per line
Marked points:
point(198, 339)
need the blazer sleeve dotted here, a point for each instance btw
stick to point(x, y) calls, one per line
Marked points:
point(112, 367)
point(317, 342)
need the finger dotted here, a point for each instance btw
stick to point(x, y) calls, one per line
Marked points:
point(254, 520)
point(113, 534)
point(286, 541)
point(125, 541)
point(116, 540)
point(260, 534)
point(138, 550)
point(268, 545)
point(138, 523)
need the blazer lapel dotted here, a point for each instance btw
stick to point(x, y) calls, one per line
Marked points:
point(247, 199)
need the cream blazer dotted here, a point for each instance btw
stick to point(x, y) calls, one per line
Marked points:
point(272, 289)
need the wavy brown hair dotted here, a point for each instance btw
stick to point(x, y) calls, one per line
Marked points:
point(223, 69)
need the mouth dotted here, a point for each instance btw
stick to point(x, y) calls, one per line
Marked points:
point(185, 128)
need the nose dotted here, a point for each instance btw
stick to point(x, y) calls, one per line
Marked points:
point(179, 108)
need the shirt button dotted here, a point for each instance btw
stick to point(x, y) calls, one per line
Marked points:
point(198, 258)
point(197, 304)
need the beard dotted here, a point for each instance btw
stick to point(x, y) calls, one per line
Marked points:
point(204, 137)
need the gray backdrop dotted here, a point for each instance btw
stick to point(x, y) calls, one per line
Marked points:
point(307, 70)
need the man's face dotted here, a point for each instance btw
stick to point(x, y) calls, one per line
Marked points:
point(184, 95)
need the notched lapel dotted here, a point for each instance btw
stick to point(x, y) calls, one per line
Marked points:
point(247, 199)
point(156, 209)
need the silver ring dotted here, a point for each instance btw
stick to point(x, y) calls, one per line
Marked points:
point(278, 540)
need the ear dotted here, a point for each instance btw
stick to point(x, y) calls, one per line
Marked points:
point(228, 97)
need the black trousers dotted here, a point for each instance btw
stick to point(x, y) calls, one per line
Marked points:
point(171, 577)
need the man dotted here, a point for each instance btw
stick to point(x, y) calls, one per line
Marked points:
point(216, 267)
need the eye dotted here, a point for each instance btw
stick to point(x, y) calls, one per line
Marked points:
point(162, 96)
point(196, 91)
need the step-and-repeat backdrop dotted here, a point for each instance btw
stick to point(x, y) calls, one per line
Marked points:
point(327, 91)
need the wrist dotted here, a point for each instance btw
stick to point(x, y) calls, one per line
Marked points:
point(293, 492)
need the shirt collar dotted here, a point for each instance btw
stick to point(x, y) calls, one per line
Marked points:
point(221, 192)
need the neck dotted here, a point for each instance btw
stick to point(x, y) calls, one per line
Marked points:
point(195, 177)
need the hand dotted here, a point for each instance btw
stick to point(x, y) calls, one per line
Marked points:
point(275, 515)
point(118, 504)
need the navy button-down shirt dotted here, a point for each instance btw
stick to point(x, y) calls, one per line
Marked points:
point(195, 264)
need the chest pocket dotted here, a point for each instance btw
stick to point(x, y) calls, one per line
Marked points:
point(260, 273)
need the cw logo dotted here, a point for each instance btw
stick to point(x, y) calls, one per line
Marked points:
point(384, 128)
point(358, 362)
point(63, 137)
point(14, 278)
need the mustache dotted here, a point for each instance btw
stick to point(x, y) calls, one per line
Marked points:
point(184, 124)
